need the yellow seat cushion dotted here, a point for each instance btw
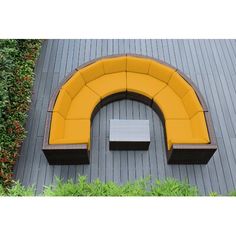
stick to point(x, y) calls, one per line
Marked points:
point(92, 72)
point(74, 84)
point(179, 85)
point(170, 104)
point(191, 103)
point(109, 84)
point(63, 103)
point(57, 127)
point(75, 132)
point(114, 65)
point(138, 64)
point(144, 84)
point(181, 132)
point(199, 128)
point(83, 104)
point(160, 71)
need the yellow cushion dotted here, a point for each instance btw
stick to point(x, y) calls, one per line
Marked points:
point(109, 84)
point(180, 132)
point(177, 129)
point(74, 84)
point(170, 104)
point(177, 140)
point(138, 64)
point(77, 130)
point(92, 72)
point(114, 65)
point(191, 103)
point(57, 128)
point(144, 84)
point(160, 71)
point(83, 104)
point(179, 85)
point(62, 103)
point(199, 128)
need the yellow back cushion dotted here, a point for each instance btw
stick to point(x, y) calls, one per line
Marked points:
point(199, 128)
point(191, 103)
point(57, 128)
point(160, 71)
point(92, 72)
point(62, 103)
point(138, 64)
point(74, 84)
point(179, 85)
point(114, 65)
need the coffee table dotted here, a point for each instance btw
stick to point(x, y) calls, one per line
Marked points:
point(129, 134)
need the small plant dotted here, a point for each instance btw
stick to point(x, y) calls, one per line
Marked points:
point(232, 194)
point(2, 191)
point(173, 187)
point(17, 190)
point(213, 194)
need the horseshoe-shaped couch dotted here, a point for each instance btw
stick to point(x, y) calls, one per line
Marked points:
point(189, 134)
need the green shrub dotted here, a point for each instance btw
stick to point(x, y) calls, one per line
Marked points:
point(17, 60)
point(232, 194)
point(17, 190)
point(142, 187)
point(97, 188)
point(213, 194)
point(173, 187)
point(2, 191)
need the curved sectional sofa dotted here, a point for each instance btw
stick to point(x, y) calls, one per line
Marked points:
point(189, 134)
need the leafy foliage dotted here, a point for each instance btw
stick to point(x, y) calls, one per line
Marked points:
point(142, 187)
point(233, 194)
point(173, 187)
point(17, 60)
point(213, 194)
point(17, 190)
point(2, 191)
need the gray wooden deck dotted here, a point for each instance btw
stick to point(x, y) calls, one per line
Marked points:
point(211, 64)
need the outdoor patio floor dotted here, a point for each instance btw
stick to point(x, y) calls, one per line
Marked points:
point(211, 64)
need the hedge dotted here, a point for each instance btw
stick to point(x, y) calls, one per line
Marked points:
point(17, 61)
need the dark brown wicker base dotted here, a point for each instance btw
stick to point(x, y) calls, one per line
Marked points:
point(190, 154)
point(128, 145)
point(67, 156)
